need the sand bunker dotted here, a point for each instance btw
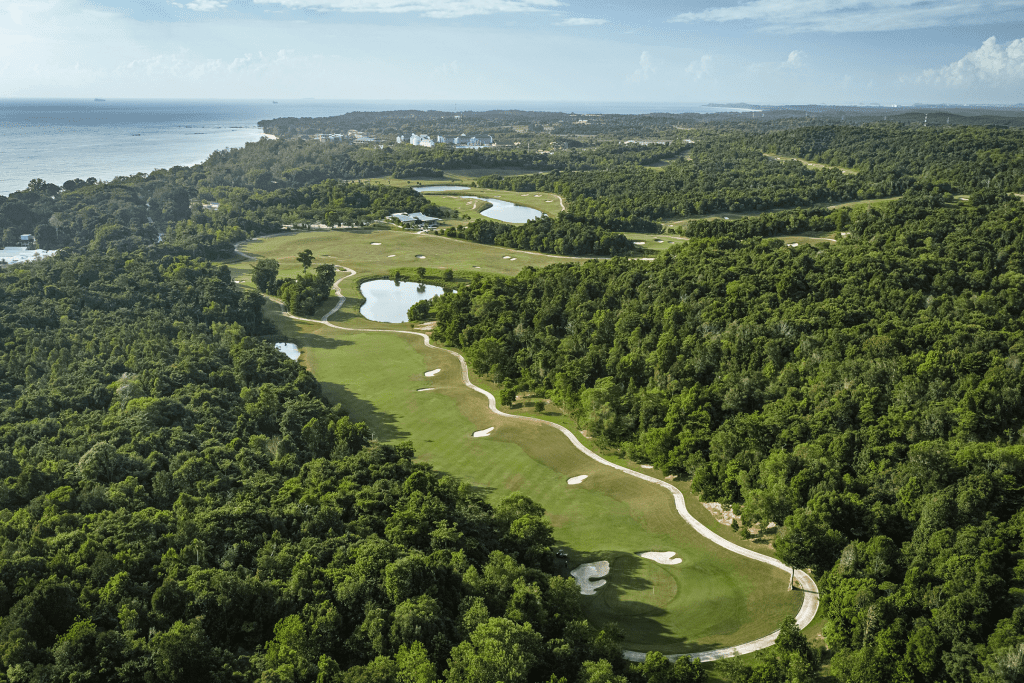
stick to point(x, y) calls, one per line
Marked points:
point(512, 258)
point(639, 243)
point(549, 200)
point(506, 257)
point(483, 432)
point(588, 576)
point(374, 244)
point(536, 195)
point(391, 256)
point(647, 467)
point(426, 389)
point(420, 256)
point(431, 373)
point(577, 480)
point(477, 267)
point(662, 558)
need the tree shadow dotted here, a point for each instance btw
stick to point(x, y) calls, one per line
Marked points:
point(484, 492)
point(614, 607)
point(384, 425)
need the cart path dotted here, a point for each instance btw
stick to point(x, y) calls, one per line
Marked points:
point(802, 581)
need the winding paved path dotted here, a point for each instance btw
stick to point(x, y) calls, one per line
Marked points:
point(804, 582)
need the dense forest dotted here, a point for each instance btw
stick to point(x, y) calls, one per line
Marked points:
point(564, 234)
point(866, 397)
point(967, 158)
point(179, 503)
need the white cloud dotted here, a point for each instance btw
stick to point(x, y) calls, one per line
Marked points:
point(207, 5)
point(646, 68)
point(583, 21)
point(699, 68)
point(991, 63)
point(438, 9)
point(794, 61)
point(184, 65)
point(847, 16)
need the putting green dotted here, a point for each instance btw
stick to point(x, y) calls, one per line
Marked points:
point(712, 599)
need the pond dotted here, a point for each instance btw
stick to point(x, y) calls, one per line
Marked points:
point(288, 349)
point(500, 210)
point(388, 302)
point(508, 212)
point(440, 188)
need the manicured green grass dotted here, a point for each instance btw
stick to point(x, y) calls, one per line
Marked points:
point(469, 208)
point(545, 202)
point(812, 164)
point(712, 599)
point(355, 249)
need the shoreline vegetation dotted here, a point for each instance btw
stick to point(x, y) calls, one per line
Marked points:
point(833, 356)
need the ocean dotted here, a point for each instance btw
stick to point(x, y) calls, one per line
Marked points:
point(59, 140)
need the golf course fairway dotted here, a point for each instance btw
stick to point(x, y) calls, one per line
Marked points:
point(710, 601)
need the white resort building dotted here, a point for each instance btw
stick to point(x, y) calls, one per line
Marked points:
point(415, 220)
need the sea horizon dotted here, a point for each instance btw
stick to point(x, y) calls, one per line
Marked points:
point(59, 139)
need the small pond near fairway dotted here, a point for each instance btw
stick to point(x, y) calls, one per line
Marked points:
point(288, 349)
point(388, 302)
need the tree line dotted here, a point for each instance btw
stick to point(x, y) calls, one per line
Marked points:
point(564, 234)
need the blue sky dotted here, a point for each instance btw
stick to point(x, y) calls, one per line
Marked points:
point(465, 51)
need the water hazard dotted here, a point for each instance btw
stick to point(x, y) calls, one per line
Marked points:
point(389, 302)
point(500, 210)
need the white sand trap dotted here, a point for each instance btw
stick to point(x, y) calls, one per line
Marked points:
point(577, 480)
point(647, 467)
point(639, 243)
point(662, 558)
point(374, 244)
point(426, 389)
point(588, 576)
point(431, 373)
point(391, 256)
point(536, 195)
point(524, 195)
point(549, 200)
point(477, 267)
point(483, 432)
point(660, 241)
point(420, 256)
point(512, 259)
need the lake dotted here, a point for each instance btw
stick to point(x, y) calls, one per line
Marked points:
point(389, 302)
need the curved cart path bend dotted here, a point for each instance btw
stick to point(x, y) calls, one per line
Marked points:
point(802, 581)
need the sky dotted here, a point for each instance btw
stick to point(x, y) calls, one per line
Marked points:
point(463, 51)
